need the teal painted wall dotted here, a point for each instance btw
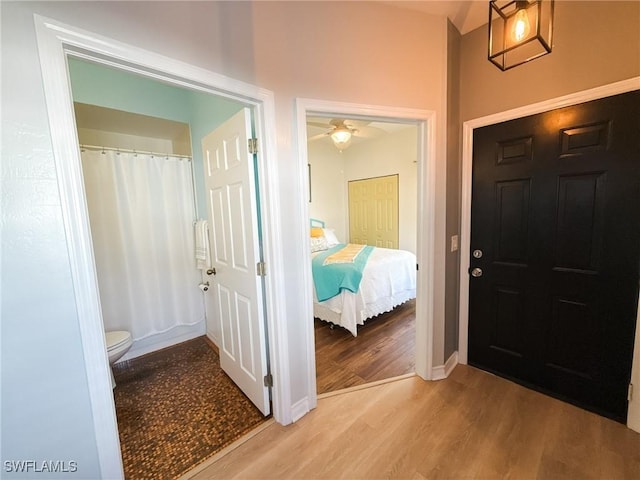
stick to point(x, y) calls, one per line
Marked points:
point(206, 113)
point(107, 87)
point(111, 88)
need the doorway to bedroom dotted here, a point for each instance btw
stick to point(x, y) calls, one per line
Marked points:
point(362, 192)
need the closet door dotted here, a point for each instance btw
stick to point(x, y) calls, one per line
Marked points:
point(373, 211)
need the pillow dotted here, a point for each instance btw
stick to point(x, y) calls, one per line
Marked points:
point(316, 232)
point(318, 244)
point(330, 235)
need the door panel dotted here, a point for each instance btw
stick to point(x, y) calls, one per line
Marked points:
point(237, 289)
point(580, 221)
point(554, 211)
point(512, 210)
point(506, 335)
point(358, 212)
point(373, 211)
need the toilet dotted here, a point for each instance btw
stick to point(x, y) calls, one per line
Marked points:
point(118, 343)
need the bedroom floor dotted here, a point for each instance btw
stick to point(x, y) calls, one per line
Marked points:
point(176, 408)
point(384, 348)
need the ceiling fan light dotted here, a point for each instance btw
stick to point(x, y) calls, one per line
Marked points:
point(341, 138)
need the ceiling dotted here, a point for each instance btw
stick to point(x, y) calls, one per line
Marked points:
point(465, 15)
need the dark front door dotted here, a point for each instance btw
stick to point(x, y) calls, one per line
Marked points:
point(555, 231)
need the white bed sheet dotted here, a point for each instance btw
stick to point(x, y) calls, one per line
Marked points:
point(388, 280)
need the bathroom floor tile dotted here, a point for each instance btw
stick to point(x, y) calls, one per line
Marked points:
point(176, 408)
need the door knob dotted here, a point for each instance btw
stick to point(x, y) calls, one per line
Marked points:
point(476, 272)
point(211, 271)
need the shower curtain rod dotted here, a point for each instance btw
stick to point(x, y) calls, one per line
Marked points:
point(127, 150)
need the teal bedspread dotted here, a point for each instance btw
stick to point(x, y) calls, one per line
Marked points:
point(330, 280)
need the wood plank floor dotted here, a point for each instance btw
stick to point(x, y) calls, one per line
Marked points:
point(384, 348)
point(470, 425)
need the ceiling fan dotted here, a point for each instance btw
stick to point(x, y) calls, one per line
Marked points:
point(341, 131)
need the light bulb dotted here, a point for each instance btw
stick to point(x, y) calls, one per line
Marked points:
point(521, 26)
point(341, 137)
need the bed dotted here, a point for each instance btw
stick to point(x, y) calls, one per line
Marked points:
point(388, 280)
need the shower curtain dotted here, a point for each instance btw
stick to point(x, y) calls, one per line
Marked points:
point(141, 211)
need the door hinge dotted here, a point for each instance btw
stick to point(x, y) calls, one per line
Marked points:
point(630, 392)
point(268, 380)
point(253, 146)
point(417, 267)
point(261, 269)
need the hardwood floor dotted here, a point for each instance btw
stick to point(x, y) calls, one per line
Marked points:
point(470, 425)
point(384, 348)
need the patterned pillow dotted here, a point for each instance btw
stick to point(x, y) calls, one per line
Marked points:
point(318, 244)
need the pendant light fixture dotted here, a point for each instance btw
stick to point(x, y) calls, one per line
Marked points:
point(519, 31)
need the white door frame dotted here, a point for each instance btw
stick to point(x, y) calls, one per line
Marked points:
point(425, 121)
point(55, 42)
point(467, 165)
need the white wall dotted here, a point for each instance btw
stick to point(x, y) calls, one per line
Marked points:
point(328, 198)
point(295, 49)
point(303, 49)
point(391, 154)
point(332, 170)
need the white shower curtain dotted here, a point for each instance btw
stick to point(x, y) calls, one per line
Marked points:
point(141, 214)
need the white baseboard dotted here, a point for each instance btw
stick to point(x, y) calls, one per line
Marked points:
point(164, 340)
point(212, 338)
point(300, 409)
point(443, 371)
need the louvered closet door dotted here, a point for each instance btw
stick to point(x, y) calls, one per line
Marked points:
point(555, 215)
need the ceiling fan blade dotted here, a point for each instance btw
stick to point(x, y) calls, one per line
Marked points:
point(316, 137)
point(369, 132)
point(357, 124)
point(326, 126)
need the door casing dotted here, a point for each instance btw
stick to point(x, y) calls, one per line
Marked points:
point(465, 221)
point(426, 153)
point(55, 42)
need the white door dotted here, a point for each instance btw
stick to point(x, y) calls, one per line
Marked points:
point(233, 231)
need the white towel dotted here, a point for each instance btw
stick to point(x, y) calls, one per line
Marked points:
point(203, 256)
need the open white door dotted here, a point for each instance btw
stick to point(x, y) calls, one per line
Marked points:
point(235, 253)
